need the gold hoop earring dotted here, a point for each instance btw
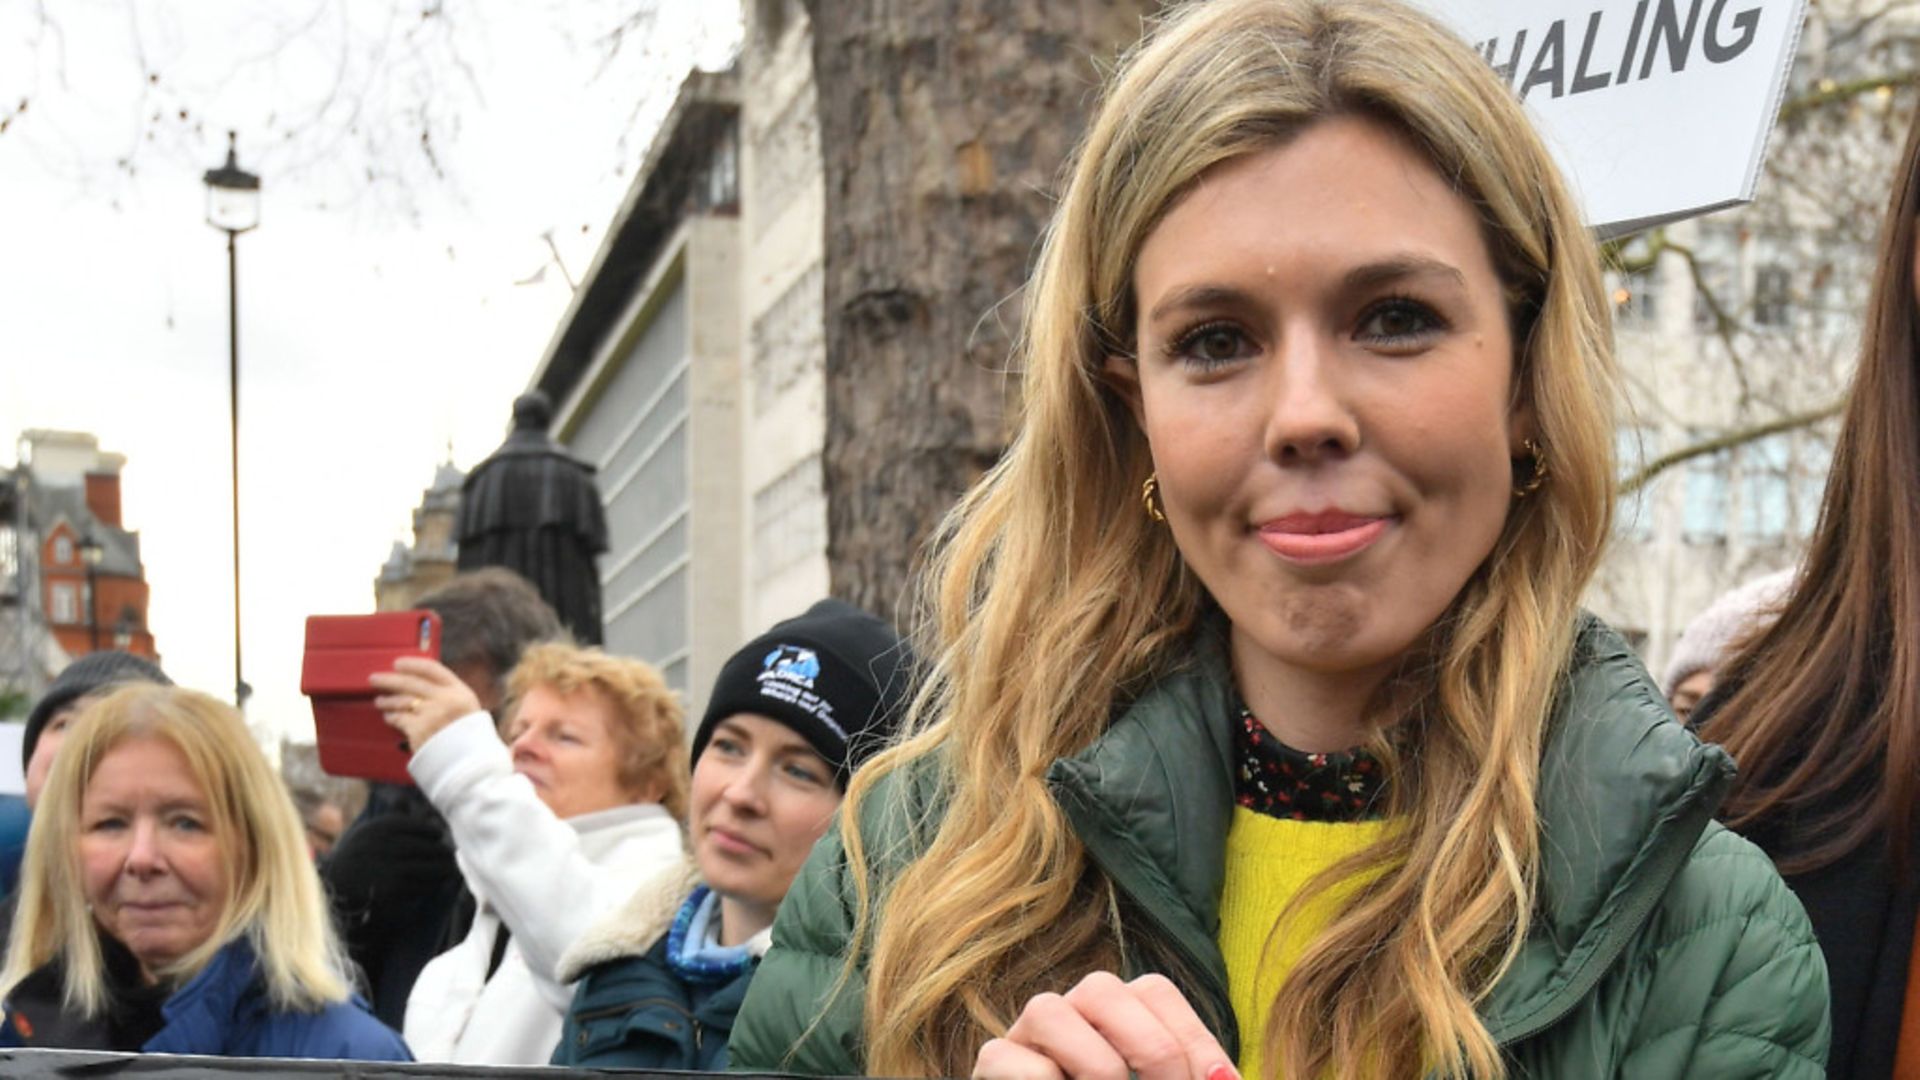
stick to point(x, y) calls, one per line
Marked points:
point(1149, 498)
point(1540, 473)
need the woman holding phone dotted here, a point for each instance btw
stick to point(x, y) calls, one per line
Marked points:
point(1264, 729)
point(552, 830)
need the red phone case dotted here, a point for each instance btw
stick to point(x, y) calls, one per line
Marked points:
point(342, 650)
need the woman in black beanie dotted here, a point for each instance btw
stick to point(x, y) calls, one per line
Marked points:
point(791, 716)
point(80, 683)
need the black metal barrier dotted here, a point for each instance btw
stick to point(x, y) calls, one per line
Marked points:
point(95, 1065)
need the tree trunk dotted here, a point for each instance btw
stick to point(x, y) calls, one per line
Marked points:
point(943, 128)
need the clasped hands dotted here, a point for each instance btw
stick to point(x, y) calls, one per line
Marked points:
point(1107, 1029)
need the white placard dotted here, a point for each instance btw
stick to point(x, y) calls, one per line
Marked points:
point(12, 737)
point(1656, 109)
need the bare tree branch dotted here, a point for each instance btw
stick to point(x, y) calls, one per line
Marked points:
point(1725, 323)
point(1829, 93)
point(1727, 441)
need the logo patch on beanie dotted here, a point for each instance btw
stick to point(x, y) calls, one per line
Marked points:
point(788, 675)
point(792, 664)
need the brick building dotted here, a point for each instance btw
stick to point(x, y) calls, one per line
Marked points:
point(92, 586)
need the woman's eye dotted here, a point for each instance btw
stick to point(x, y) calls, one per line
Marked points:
point(185, 823)
point(725, 745)
point(1212, 345)
point(1399, 322)
point(805, 775)
point(108, 824)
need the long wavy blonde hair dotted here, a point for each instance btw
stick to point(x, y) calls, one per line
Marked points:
point(1052, 598)
point(273, 894)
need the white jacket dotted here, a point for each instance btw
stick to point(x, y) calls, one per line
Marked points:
point(548, 880)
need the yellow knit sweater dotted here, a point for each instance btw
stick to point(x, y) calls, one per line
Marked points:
point(1269, 862)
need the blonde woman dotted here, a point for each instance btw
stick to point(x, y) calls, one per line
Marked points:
point(1264, 729)
point(553, 830)
point(168, 903)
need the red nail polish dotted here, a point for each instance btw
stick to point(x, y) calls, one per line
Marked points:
point(1223, 1071)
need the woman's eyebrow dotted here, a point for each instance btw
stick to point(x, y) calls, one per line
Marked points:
point(1368, 275)
point(1203, 295)
point(1400, 268)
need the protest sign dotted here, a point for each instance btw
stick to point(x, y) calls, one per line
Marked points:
point(1656, 109)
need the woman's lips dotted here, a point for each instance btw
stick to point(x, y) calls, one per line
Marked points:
point(1323, 537)
point(144, 910)
point(731, 843)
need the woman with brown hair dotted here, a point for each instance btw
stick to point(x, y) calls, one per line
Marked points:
point(1822, 710)
point(1263, 727)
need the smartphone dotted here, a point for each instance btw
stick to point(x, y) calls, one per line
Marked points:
point(342, 650)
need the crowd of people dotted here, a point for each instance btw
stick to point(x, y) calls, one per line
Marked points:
point(1253, 725)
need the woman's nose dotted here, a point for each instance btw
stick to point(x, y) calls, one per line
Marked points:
point(144, 857)
point(523, 745)
point(746, 790)
point(1310, 418)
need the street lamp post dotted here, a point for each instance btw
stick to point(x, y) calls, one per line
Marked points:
point(91, 553)
point(233, 207)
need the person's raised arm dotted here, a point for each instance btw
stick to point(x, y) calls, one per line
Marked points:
point(527, 862)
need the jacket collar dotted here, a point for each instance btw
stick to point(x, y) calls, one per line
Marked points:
point(633, 927)
point(202, 1013)
point(601, 834)
point(1624, 793)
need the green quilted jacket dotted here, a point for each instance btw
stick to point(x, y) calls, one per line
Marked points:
point(1664, 946)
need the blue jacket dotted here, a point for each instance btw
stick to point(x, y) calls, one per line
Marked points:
point(636, 1013)
point(630, 1009)
point(15, 821)
point(223, 1011)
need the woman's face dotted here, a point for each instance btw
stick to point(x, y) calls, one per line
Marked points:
point(152, 865)
point(565, 745)
point(40, 766)
point(760, 798)
point(1325, 378)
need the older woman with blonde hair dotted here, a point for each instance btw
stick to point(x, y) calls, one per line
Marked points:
point(168, 903)
point(1264, 728)
point(553, 830)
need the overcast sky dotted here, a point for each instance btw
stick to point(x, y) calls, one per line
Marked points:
point(381, 321)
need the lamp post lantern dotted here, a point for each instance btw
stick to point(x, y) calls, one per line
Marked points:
point(91, 553)
point(233, 207)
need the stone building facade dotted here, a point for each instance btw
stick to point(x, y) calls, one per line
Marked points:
point(413, 570)
point(689, 369)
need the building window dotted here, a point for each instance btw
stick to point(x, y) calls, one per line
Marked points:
point(1633, 448)
point(66, 603)
point(1636, 299)
point(1807, 486)
point(9, 563)
point(1703, 518)
point(722, 180)
point(63, 549)
point(1772, 295)
point(1713, 290)
point(1765, 492)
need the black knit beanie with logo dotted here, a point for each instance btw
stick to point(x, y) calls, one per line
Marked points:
point(836, 675)
point(91, 673)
